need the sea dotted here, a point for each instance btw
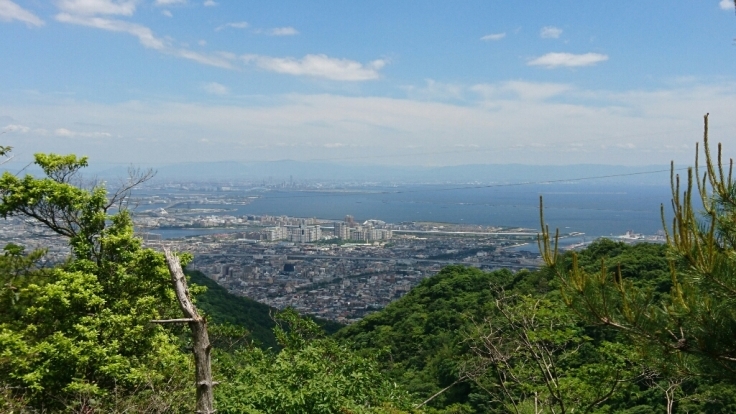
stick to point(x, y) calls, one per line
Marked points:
point(594, 209)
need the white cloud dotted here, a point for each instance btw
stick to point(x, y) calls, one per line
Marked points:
point(234, 25)
point(220, 60)
point(555, 60)
point(63, 132)
point(202, 42)
point(494, 36)
point(143, 33)
point(550, 32)
point(215, 88)
point(726, 5)
point(210, 3)
point(148, 39)
point(436, 91)
point(87, 13)
point(283, 31)
point(16, 128)
point(167, 13)
point(169, 2)
point(95, 7)
point(319, 66)
point(10, 11)
point(520, 90)
point(500, 128)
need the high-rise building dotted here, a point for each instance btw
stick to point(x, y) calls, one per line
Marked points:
point(342, 231)
point(276, 233)
point(305, 234)
point(357, 233)
point(364, 233)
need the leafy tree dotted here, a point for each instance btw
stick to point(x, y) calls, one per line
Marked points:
point(78, 335)
point(424, 334)
point(311, 374)
point(421, 332)
point(533, 353)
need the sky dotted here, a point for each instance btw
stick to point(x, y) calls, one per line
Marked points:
point(384, 82)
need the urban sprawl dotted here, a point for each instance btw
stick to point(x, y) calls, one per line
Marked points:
point(336, 269)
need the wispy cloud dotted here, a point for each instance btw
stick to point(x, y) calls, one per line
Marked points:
point(494, 36)
point(147, 38)
point(10, 11)
point(435, 91)
point(210, 3)
point(727, 5)
point(15, 128)
point(496, 129)
point(64, 132)
point(167, 13)
point(87, 13)
point(556, 60)
point(169, 2)
point(143, 33)
point(220, 60)
point(520, 90)
point(96, 7)
point(319, 66)
point(215, 88)
point(550, 32)
point(283, 31)
point(234, 25)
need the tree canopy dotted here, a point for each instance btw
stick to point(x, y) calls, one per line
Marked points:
point(79, 333)
point(693, 324)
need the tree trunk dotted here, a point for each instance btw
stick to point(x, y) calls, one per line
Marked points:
point(200, 339)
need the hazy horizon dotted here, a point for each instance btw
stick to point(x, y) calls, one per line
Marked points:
point(312, 171)
point(405, 84)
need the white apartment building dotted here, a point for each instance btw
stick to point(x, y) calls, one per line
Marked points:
point(342, 231)
point(305, 234)
point(277, 233)
point(362, 233)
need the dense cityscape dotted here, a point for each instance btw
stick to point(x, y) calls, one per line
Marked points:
point(336, 269)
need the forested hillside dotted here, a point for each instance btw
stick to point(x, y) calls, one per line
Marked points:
point(223, 307)
point(504, 342)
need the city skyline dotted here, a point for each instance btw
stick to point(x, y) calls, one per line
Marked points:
point(169, 81)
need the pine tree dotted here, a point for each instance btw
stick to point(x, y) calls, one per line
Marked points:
point(693, 329)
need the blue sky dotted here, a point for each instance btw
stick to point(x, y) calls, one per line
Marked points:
point(380, 82)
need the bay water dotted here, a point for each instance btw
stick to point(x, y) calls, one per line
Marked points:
point(597, 210)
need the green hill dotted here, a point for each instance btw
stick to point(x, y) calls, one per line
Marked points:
point(223, 307)
point(426, 337)
point(423, 331)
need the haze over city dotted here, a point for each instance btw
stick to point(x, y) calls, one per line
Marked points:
point(389, 83)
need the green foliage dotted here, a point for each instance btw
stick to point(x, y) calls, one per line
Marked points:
point(483, 335)
point(423, 333)
point(692, 329)
point(311, 374)
point(644, 264)
point(222, 307)
point(69, 210)
point(534, 352)
point(80, 334)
